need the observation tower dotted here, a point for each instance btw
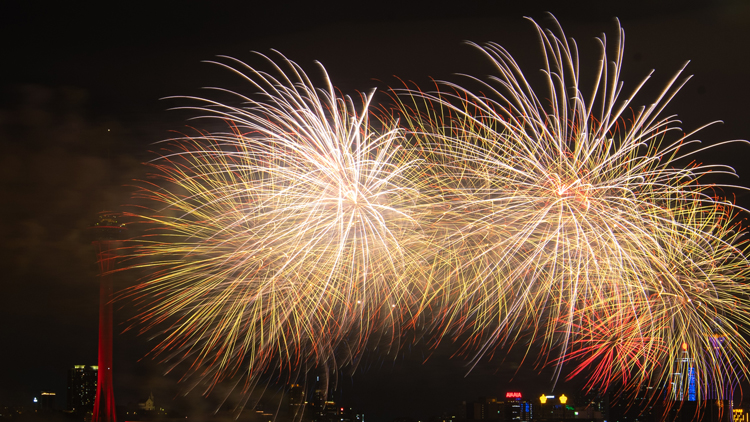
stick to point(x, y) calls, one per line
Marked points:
point(106, 236)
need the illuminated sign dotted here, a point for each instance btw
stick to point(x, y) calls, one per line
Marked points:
point(563, 399)
point(513, 395)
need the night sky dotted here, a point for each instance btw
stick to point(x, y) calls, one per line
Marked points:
point(80, 109)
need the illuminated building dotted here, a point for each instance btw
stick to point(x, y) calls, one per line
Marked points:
point(714, 403)
point(514, 408)
point(517, 409)
point(594, 404)
point(739, 415)
point(685, 368)
point(263, 412)
point(82, 388)
point(107, 235)
point(148, 405)
point(47, 401)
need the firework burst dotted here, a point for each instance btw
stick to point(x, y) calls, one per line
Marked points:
point(286, 241)
point(574, 221)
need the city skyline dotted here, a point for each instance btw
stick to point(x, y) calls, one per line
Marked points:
point(81, 112)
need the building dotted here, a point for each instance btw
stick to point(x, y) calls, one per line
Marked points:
point(82, 388)
point(714, 401)
point(47, 401)
point(516, 408)
point(648, 404)
point(593, 405)
point(148, 404)
point(683, 380)
point(739, 415)
point(484, 409)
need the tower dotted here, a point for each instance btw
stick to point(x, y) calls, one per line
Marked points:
point(106, 236)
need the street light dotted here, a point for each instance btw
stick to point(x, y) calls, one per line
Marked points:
point(563, 401)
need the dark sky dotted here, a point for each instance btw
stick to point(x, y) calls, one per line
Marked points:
point(79, 109)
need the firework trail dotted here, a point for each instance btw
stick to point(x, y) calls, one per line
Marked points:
point(578, 223)
point(285, 241)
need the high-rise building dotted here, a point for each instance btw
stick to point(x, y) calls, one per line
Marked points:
point(107, 235)
point(320, 407)
point(709, 397)
point(296, 400)
point(683, 380)
point(516, 408)
point(82, 388)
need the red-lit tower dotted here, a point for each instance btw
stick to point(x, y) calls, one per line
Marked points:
point(107, 235)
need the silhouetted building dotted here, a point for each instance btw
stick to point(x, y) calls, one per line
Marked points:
point(296, 401)
point(484, 409)
point(649, 404)
point(592, 406)
point(82, 388)
point(702, 411)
